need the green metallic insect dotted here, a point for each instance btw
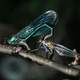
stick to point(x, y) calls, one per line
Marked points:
point(43, 25)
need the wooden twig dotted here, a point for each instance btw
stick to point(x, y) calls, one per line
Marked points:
point(41, 60)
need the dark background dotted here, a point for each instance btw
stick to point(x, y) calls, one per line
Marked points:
point(15, 14)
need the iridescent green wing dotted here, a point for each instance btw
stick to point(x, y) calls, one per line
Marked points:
point(42, 25)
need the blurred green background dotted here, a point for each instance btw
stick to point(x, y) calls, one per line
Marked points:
point(15, 14)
